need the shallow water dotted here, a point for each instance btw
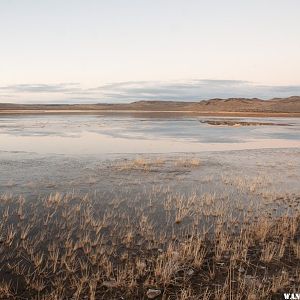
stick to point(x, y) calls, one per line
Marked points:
point(90, 154)
point(109, 134)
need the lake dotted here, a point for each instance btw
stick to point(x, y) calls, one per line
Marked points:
point(124, 134)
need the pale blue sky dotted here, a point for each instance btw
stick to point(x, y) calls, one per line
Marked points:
point(95, 51)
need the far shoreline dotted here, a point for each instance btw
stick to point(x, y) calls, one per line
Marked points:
point(151, 112)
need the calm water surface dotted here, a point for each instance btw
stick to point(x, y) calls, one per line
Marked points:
point(98, 134)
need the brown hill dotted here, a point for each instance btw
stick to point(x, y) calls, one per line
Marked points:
point(291, 104)
point(254, 105)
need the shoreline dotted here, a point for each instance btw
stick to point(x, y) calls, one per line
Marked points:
point(152, 112)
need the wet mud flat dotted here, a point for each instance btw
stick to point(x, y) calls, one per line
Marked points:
point(188, 226)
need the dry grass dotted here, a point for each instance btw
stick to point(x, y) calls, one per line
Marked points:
point(140, 163)
point(155, 164)
point(66, 246)
point(188, 162)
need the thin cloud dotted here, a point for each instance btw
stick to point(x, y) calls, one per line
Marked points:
point(42, 88)
point(128, 91)
point(195, 90)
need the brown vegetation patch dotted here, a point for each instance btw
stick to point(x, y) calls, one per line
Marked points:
point(69, 247)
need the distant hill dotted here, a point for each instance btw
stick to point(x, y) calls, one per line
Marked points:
point(291, 104)
point(254, 105)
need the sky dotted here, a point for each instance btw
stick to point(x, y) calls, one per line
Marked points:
point(93, 51)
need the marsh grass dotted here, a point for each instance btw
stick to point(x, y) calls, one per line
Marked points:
point(68, 246)
point(140, 163)
point(144, 164)
point(188, 162)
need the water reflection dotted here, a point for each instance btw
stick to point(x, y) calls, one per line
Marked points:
point(94, 134)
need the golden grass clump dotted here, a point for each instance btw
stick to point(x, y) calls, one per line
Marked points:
point(188, 162)
point(140, 163)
